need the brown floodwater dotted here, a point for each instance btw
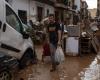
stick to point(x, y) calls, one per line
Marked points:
point(86, 67)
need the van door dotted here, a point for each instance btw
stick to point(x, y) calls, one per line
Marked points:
point(11, 37)
point(1, 14)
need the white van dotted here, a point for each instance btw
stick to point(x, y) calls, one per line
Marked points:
point(13, 39)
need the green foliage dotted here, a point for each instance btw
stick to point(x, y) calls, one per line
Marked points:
point(32, 32)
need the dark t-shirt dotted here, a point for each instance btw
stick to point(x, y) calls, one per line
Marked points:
point(53, 32)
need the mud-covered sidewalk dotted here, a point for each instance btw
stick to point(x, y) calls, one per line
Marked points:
point(86, 67)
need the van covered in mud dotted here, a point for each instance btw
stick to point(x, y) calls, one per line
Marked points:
point(14, 41)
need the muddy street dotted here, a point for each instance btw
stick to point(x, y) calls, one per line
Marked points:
point(49, 27)
point(86, 67)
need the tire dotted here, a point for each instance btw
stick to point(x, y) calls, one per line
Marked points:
point(26, 59)
point(5, 75)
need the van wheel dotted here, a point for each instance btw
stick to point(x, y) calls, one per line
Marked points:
point(5, 75)
point(26, 59)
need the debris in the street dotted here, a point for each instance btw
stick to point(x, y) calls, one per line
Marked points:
point(70, 28)
point(96, 44)
point(71, 49)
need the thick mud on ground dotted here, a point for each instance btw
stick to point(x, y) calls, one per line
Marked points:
point(86, 67)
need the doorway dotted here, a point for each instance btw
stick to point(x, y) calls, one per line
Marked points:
point(56, 16)
point(39, 13)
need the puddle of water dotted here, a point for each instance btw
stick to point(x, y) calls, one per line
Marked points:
point(92, 72)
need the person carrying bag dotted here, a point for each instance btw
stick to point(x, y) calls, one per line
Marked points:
point(59, 55)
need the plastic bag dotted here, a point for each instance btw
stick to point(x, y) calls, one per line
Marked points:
point(59, 55)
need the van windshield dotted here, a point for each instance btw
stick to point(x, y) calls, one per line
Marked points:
point(12, 19)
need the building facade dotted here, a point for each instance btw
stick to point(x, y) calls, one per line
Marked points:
point(76, 8)
point(73, 10)
point(60, 10)
point(93, 12)
point(34, 10)
point(78, 4)
point(66, 10)
point(98, 7)
point(84, 10)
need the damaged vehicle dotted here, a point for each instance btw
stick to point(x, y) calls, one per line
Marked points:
point(8, 66)
point(14, 41)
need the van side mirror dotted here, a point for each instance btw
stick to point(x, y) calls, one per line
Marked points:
point(0, 24)
point(4, 27)
point(25, 35)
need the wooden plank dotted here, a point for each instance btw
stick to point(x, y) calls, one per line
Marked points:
point(96, 44)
